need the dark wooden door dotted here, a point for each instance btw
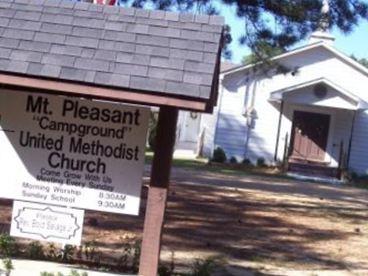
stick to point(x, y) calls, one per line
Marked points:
point(309, 136)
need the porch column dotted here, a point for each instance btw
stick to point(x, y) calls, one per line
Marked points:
point(157, 192)
point(278, 130)
point(351, 139)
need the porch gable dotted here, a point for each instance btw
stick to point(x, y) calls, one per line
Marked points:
point(319, 92)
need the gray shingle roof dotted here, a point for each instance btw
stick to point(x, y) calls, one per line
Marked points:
point(154, 51)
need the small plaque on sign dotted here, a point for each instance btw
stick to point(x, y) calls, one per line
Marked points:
point(47, 223)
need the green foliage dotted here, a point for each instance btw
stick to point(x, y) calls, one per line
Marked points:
point(72, 272)
point(123, 260)
point(8, 265)
point(219, 155)
point(129, 260)
point(76, 273)
point(294, 20)
point(52, 252)
point(362, 61)
point(35, 251)
point(136, 256)
point(8, 246)
point(358, 180)
point(164, 270)
point(45, 273)
point(261, 162)
point(90, 251)
point(262, 52)
point(261, 57)
point(246, 162)
point(363, 177)
point(354, 176)
point(67, 252)
point(152, 130)
point(203, 267)
point(233, 160)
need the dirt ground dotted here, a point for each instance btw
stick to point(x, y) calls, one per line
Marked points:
point(268, 225)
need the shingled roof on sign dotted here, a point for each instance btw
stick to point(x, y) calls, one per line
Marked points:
point(141, 50)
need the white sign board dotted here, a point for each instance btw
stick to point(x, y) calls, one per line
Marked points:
point(72, 152)
point(47, 223)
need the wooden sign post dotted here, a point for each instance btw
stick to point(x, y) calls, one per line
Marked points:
point(157, 192)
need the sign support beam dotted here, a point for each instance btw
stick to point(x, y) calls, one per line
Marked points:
point(158, 190)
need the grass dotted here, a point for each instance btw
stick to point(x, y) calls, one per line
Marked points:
point(198, 163)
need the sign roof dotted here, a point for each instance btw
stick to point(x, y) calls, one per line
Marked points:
point(153, 52)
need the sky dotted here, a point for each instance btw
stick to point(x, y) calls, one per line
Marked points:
point(355, 43)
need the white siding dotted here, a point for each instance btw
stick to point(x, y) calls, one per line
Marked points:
point(231, 125)
point(262, 137)
point(359, 149)
point(208, 125)
point(342, 132)
point(180, 125)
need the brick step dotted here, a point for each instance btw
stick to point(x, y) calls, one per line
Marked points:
point(313, 170)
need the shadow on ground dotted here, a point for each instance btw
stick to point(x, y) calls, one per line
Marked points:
point(245, 220)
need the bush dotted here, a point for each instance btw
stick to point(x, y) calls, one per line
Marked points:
point(359, 180)
point(363, 177)
point(67, 252)
point(8, 266)
point(35, 251)
point(129, 260)
point(164, 271)
point(52, 252)
point(8, 246)
point(219, 155)
point(261, 162)
point(233, 160)
point(123, 260)
point(203, 267)
point(136, 250)
point(354, 175)
point(246, 162)
point(90, 251)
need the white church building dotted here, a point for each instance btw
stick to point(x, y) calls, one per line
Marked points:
point(314, 115)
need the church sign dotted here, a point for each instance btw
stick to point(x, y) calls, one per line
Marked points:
point(72, 152)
